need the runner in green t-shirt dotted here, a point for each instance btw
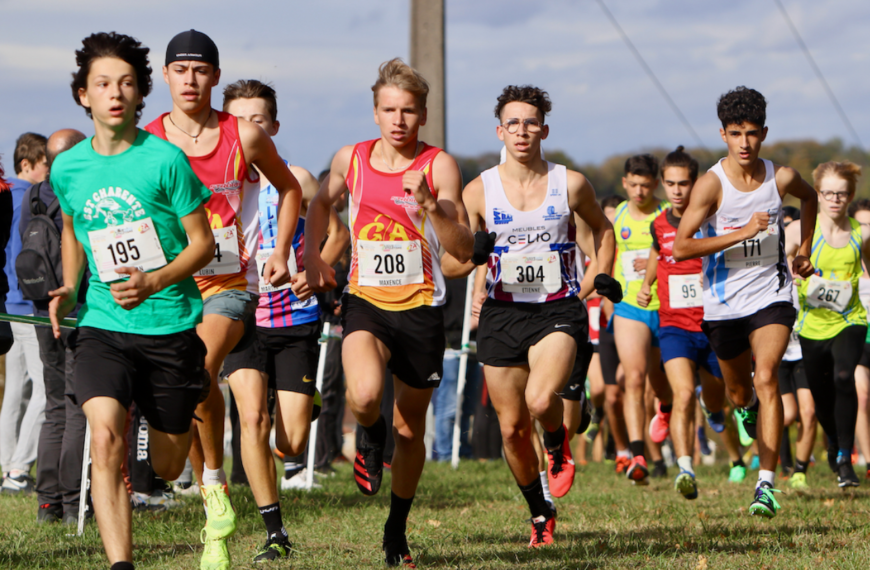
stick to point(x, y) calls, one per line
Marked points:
point(130, 202)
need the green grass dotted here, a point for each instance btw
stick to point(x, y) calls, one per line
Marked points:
point(476, 518)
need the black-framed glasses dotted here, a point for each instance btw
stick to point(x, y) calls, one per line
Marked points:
point(829, 195)
point(513, 125)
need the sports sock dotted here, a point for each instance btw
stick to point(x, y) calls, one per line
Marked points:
point(844, 456)
point(765, 476)
point(666, 408)
point(398, 517)
point(752, 401)
point(554, 439)
point(685, 463)
point(546, 486)
point(534, 494)
point(738, 462)
point(623, 453)
point(272, 519)
point(801, 466)
point(659, 463)
point(123, 566)
point(377, 432)
point(636, 448)
point(597, 415)
point(213, 476)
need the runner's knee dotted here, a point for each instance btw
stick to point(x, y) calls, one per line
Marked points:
point(106, 445)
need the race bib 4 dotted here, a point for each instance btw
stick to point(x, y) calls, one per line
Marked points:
point(226, 254)
point(263, 256)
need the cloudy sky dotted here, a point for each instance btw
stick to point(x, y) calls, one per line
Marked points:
point(322, 58)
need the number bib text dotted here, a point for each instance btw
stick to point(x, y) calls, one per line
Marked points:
point(762, 250)
point(226, 254)
point(627, 258)
point(134, 244)
point(389, 263)
point(531, 273)
point(824, 294)
point(685, 291)
point(263, 256)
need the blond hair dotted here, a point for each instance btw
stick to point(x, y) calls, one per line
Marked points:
point(397, 73)
point(848, 171)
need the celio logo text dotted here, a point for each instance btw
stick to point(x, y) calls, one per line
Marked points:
point(522, 239)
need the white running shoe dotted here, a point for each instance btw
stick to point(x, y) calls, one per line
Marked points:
point(298, 481)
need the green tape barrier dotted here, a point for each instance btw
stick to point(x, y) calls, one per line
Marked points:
point(45, 321)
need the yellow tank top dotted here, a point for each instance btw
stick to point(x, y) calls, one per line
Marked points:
point(634, 240)
point(829, 298)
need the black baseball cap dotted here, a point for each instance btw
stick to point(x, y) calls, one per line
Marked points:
point(192, 46)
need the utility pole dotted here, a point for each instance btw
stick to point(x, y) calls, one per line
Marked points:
point(427, 57)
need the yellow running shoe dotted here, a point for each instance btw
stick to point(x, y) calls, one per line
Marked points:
point(215, 555)
point(798, 482)
point(221, 519)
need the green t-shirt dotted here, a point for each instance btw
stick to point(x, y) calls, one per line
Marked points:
point(152, 179)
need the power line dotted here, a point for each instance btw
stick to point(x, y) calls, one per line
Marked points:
point(651, 75)
point(818, 72)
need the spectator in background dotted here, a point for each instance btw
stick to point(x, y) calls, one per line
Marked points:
point(20, 423)
point(444, 399)
point(5, 228)
point(61, 439)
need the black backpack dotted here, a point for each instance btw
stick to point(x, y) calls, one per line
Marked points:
point(38, 266)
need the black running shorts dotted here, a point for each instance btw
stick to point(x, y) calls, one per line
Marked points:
point(163, 374)
point(792, 377)
point(576, 386)
point(865, 356)
point(414, 337)
point(508, 330)
point(730, 338)
point(288, 355)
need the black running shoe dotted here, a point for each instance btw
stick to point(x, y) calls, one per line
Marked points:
point(276, 547)
point(832, 459)
point(659, 470)
point(368, 467)
point(49, 513)
point(397, 552)
point(586, 413)
point(846, 476)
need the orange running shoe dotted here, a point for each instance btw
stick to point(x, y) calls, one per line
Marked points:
point(637, 471)
point(542, 531)
point(560, 468)
point(660, 426)
point(622, 464)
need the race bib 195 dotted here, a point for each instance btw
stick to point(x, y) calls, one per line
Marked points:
point(134, 244)
point(627, 258)
point(824, 294)
point(761, 250)
point(263, 256)
point(226, 254)
point(531, 272)
point(685, 291)
point(389, 263)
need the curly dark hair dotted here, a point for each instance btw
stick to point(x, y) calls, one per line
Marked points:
point(642, 165)
point(611, 201)
point(858, 205)
point(680, 158)
point(116, 45)
point(530, 94)
point(742, 105)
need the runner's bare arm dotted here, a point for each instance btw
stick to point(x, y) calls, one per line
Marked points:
point(790, 182)
point(73, 255)
point(446, 214)
point(309, 185)
point(478, 295)
point(321, 276)
point(792, 240)
point(132, 292)
point(586, 242)
point(704, 200)
point(644, 296)
point(581, 199)
point(261, 152)
point(472, 199)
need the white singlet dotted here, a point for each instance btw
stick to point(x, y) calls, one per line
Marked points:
point(752, 274)
point(535, 257)
point(793, 350)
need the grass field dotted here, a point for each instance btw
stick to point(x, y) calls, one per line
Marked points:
point(476, 518)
